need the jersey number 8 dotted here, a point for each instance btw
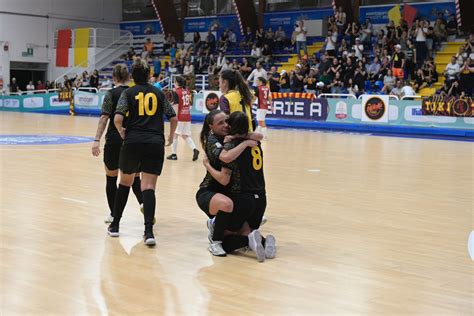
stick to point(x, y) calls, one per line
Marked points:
point(144, 106)
point(257, 161)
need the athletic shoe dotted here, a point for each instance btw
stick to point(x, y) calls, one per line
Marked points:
point(255, 243)
point(113, 231)
point(215, 247)
point(108, 219)
point(270, 247)
point(264, 220)
point(210, 226)
point(172, 157)
point(143, 212)
point(195, 154)
point(149, 239)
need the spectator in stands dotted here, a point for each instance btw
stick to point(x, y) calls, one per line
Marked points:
point(388, 82)
point(267, 53)
point(248, 39)
point(407, 90)
point(352, 88)
point(297, 79)
point(419, 80)
point(452, 28)
point(280, 38)
point(66, 83)
point(440, 33)
point(466, 77)
point(360, 76)
point(156, 65)
point(398, 62)
point(410, 60)
point(256, 52)
point(223, 42)
point(311, 80)
point(172, 69)
point(300, 39)
point(30, 87)
point(232, 38)
point(259, 37)
point(259, 71)
point(147, 49)
point(245, 68)
point(366, 32)
point(331, 41)
point(173, 51)
point(221, 60)
point(420, 43)
point(269, 38)
point(41, 86)
point(452, 71)
point(211, 42)
point(235, 64)
point(130, 54)
point(274, 79)
point(107, 83)
point(358, 49)
point(227, 65)
point(284, 82)
point(373, 69)
point(397, 90)
point(188, 69)
point(196, 41)
point(341, 19)
point(94, 79)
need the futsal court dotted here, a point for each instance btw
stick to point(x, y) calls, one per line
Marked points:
point(364, 224)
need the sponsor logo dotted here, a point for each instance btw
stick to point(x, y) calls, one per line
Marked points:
point(375, 108)
point(11, 103)
point(54, 101)
point(212, 101)
point(461, 107)
point(33, 103)
point(416, 112)
point(86, 100)
point(341, 110)
point(1, 103)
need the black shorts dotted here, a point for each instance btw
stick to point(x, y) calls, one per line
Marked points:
point(111, 155)
point(203, 199)
point(139, 157)
point(244, 208)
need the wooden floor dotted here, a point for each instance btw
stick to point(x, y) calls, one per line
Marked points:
point(365, 225)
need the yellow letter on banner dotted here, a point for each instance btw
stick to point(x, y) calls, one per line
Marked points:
point(81, 44)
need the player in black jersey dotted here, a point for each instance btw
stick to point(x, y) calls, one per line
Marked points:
point(211, 197)
point(143, 144)
point(246, 188)
point(113, 141)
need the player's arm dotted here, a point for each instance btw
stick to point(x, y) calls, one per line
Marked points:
point(171, 115)
point(230, 153)
point(223, 176)
point(104, 117)
point(122, 108)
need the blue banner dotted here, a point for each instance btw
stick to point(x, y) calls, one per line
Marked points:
point(379, 14)
point(45, 102)
point(142, 28)
point(299, 109)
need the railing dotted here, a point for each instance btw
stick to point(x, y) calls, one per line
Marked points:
point(412, 97)
point(390, 96)
point(104, 57)
point(337, 95)
point(98, 37)
point(199, 83)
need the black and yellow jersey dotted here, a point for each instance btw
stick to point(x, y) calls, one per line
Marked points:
point(247, 169)
point(144, 105)
point(109, 105)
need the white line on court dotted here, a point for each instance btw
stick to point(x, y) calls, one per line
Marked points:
point(470, 245)
point(314, 170)
point(74, 200)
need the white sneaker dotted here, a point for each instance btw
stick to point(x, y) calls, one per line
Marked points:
point(210, 226)
point(255, 243)
point(215, 247)
point(270, 247)
point(108, 219)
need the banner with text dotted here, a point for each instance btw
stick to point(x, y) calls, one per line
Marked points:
point(298, 106)
point(452, 106)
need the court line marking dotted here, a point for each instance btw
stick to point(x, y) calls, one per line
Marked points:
point(314, 170)
point(470, 245)
point(74, 200)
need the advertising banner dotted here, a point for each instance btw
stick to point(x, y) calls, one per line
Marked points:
point(375, 108)
point(211, 101)
point(441, 106)
point(33, 102)
point(298, 108)
point(142, 28)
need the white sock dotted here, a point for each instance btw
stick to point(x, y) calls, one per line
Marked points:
point(174, 146)
point(258, 129)
point(190, 143)
point(264, 132)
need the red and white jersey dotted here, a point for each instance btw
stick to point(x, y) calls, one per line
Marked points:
point(182, 97)
point(263, 96)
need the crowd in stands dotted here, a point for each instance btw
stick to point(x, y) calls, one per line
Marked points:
point(356, 58)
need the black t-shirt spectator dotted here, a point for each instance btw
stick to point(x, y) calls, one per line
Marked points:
point(14, 87)
point(275, 82)
point(285, 81)
point(297, 82)
point(398, 59)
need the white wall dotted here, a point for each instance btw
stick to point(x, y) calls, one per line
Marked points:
point(19, 30)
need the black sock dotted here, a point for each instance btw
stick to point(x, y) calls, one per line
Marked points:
point(220, 224)
point(137, 190)
point(110, 190)
point(121, 198)
point(234, 242)
point(149, 204)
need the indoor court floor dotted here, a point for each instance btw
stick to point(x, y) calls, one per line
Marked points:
point(365, 225)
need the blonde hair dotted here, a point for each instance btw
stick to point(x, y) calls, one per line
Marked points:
point(120, 73)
